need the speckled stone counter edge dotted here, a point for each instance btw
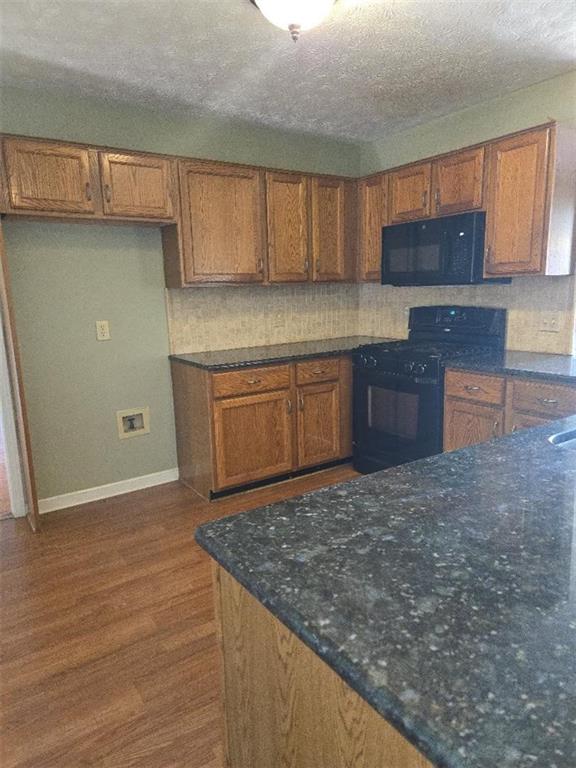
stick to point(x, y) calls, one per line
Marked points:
point(499, 368)
point(416, 731)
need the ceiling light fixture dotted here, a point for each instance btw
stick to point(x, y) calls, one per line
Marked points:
point(295, 16)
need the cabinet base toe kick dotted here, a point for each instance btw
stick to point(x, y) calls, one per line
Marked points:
point(214, 495)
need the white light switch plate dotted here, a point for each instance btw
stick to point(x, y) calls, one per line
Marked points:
point(103, 330)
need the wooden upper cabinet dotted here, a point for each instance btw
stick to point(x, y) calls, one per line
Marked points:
point(328, 229)
point(458, 181)
point(49, 177)
point(516, 205)
point(252, 437)
point(137, 185)
point(373, 215)
point(319, 425)
point(410, 193)
point(287, 222)
point(222, 222)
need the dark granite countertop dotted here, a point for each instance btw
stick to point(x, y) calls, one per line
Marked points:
point(443, 592)
point(274, 353)
point(561, 368)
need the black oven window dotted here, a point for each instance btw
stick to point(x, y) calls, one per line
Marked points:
point(393, 413)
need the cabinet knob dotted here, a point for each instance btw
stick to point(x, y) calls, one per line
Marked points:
point(107, 193)
point(495, 427)
point(88, 191)
point(424, 198)
point(289, 405)
point(437, 198)
point(301, 403)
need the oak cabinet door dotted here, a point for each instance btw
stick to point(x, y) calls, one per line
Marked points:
point(136, 185)
point(466, 423)
point(287, 220)
point(49, 177)
point(373, 215)
point(328, 229)
point(525, 421)
point(222, 222)
point(318, 423)
point(457, 181)
point(410, 193)
point(516, 205)
point(252, 437)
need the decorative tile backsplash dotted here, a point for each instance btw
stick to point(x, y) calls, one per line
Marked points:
point(383, 310)
point(225, 317)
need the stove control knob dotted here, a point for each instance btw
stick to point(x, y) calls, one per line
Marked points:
point(372, 362)
point(419, 369)
point(408, 367)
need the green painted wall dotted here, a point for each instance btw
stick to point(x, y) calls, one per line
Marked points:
point(64, 278)
point(67, 117)
point(67, 276)
point(551, 100)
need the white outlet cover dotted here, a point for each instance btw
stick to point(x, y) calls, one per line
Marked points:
point(142, 415)
point(103, 330)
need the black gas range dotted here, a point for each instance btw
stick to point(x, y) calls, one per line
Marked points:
point(399, 385)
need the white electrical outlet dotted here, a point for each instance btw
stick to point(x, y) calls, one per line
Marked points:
point(550, 322)
point(103, 330)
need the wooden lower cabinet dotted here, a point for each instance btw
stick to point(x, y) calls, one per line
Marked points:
point(252, 437)
point(249, 424)
point(467, 423)
point(318, 426)
point(478, 407)
point(284, 706)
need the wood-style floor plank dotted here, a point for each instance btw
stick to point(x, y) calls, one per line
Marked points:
point(108, 647)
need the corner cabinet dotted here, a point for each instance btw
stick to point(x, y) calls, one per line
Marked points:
point(222, 223)
point(241, 426)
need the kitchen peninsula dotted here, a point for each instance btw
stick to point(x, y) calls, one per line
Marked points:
point(440, 597)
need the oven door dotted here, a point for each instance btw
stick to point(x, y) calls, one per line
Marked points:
point(396, 420)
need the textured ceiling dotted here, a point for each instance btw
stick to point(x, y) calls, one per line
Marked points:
point(375, 67)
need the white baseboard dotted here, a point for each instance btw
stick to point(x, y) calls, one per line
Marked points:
point(106, 491)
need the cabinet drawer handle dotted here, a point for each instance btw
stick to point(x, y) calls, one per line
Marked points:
point(318, 371)
point(107, 193)
point(470, 388)
point(289, 405)
point(254, 381)
point(88, 191)
point(547, 401)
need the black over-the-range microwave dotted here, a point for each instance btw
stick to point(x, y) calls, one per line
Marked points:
point(444, 251)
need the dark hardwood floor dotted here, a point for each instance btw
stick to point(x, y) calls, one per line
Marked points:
point(109, 655)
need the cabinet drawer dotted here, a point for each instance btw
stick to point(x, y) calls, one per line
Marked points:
point(551, 400)
point(476, 387)
point(324, 369)
point(249, 380)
